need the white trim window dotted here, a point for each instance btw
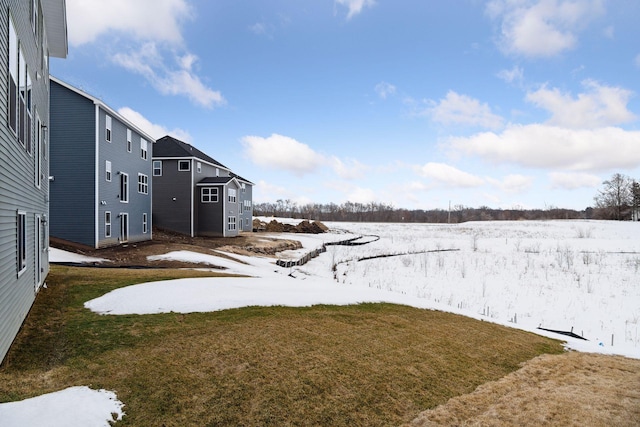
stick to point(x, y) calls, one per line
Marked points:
point(232, 223)
point(107, 224)
point(209, 195)
point(124, 187)
point(143, 184)
point(107, 170)
point(232, 195)
point(22, 93)
point(145, 224)
point(107, 128)
point(247, 205)
point(184, 165)
point(244, 187)
point(157, 168)
point(13, 78)
point(129, 142)
point(21, 246)
point(143, 148)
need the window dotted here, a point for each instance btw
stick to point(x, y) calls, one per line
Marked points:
point(22, 241)
point(143, 148)
point(157, 168)
point(28, 112)
point(107, 170)
point(143, 184)
point(209, 195)
point(107, 133)
point(244, 187)
point(38, 151)
point(199, 167)
point(13, 78)
point(124, 187)
point(232, 223)
point(129, 143)
point(22, 92)
point(184, 165)
point(145, 225)
point(34, 17)
point(247, 205)
point(107, 224)
point(232, 195)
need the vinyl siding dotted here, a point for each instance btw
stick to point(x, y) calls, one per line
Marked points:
point(72, 148)
point(172, 194)
point(18, 190)
point(122, 161)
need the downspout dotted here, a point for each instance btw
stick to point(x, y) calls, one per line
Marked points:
point(225, 225)
point(96, 203)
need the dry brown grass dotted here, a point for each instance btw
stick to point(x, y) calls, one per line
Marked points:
point(364, 365)
point(572, 389)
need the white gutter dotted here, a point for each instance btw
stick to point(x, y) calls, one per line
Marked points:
point(96, 203)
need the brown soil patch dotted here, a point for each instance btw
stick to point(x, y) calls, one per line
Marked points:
point(135, 254)
point(572, 389)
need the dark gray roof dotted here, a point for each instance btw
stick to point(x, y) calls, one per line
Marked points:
point(220, 180)
point(168, 146)
point(239, 178)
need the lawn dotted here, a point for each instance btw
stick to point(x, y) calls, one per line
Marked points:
point(368, 364)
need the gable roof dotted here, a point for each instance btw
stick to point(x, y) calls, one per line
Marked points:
point(239, 178)
point(102, 105)
point(168, 146)
point(215, 180)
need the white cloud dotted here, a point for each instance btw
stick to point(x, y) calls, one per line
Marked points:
point(572, 181)
point(282, 152)
point(158, 20)
point(148, 62)
point(456, 109)
point(361, 195)
point(542, 28)
point(146, 34)
point(266, 192)
point(597, 107)
point(355, 6)
point(543, 146)
point(513, 183)
point(155, 130)
point(353, 169)
point(450, 176)
point(514, 75)
point(384, 89)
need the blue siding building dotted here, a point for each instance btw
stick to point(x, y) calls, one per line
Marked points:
point(100, 172)
point(32, 32)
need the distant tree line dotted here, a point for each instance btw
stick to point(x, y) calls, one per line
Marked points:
point(382, 212)
point(618, 199)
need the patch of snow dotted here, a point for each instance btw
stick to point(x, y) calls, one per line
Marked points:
point(72, 407)
point(58, 255)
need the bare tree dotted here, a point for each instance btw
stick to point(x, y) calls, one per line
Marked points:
point(615, 198)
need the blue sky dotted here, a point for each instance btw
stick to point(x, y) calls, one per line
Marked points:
point(501, 103)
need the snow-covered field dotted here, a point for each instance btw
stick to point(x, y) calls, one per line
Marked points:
point(562, 275)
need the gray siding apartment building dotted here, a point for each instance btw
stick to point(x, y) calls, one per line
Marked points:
point(32, 32)
point(100, 172)
point(196, 195)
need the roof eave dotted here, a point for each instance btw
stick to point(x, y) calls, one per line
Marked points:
point(55, 22)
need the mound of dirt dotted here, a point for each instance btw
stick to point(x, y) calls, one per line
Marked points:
point(315, 227)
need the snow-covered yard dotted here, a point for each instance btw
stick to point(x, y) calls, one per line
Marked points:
point(562, 275)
